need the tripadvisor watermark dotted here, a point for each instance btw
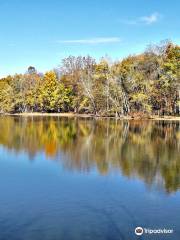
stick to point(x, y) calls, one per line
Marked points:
point(140, 231)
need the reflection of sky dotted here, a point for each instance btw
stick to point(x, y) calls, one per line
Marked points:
point(62, 163)
point(41, 195)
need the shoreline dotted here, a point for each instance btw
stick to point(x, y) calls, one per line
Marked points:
point(71, 114)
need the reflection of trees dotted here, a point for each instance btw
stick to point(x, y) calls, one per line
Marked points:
point(149, 150)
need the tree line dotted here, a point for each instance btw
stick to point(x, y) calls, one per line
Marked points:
point(138, 85)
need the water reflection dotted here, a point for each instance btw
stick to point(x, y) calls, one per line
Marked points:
point(148, 150)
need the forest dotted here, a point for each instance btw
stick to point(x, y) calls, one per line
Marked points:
point(139, 85)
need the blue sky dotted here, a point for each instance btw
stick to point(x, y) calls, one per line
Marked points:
point(42, 32)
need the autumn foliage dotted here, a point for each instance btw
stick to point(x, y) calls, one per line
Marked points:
point(139, 85)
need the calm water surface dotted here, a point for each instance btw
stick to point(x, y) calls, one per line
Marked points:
point(86, 179)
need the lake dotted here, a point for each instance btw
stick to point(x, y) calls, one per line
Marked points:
point(73, 178)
